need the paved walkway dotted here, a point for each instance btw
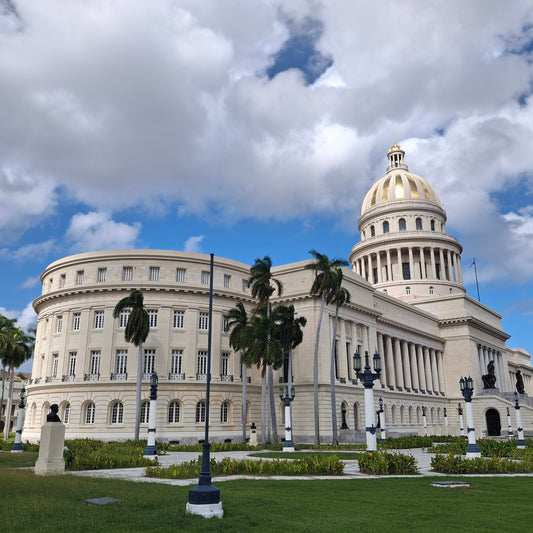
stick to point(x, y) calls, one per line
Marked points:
point(351, 470)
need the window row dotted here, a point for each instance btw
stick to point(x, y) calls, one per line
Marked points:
point(154, 273)
point(402, 226)
point(178, 320)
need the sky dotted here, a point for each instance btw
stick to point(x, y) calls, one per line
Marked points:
point(247, 128)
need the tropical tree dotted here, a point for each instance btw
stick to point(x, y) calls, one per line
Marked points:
point(136, 332)
point(322, 285)
point(263, 286)
point(16, 347)
point(338, 296)
point(238, 340)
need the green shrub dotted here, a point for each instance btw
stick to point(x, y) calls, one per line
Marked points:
point(214, 447)
point(318, 465)
point(384, 463)
point(6, 445)
point(415, 441)
point(454, 464)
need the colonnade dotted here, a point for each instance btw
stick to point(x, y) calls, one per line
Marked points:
point(425, 262)
point(485, 355)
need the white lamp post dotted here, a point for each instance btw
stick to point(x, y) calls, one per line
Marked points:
point(446, 418)
point(382, 428)
point(520, 443)
point(17, 445)
point(367, 378)
point(461, 421)
point(510, 434)
point(150, 450)
point(424, 421)
point(288, 444)
point(467, 389)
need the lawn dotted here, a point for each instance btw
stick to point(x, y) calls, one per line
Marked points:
point(56, 504)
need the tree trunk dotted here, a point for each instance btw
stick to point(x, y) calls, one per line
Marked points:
point(263, 412)
point(3, 390)
point(244, 401)
point(332, 377)
point(272, 404)
point(9, 402)
point(315, 372)
point(138, 393)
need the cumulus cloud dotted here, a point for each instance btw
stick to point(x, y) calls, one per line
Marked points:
point(29, 283)
point(97, 231)
point(192, 244)
point(25, 319)
point(29, 251)
point(128, 103)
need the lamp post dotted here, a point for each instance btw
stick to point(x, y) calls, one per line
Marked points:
point(17, 445)
point(445, 418)
point(467, 389)
point(150, 450)
point(381, 420)
point(520, 443)
point(288, 444)
point(424, 421)
point(461, 422)
point(510, 434)
point(367, 378)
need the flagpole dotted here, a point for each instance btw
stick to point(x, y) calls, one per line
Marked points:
point(477, 284)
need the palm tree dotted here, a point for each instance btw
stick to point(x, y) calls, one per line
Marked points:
point(322, 285)
point(136, 332)
point(261, 281)
point(19, 348)
point(238, 322)
point(338, 296)
point(6, 346)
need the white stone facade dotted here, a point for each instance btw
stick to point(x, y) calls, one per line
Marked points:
point(408, 303)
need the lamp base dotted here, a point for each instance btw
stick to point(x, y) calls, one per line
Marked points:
point(207, 510)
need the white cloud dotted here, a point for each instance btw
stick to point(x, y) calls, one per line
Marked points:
point(192, 244)
point(29, 251)
point(97, 231)
point(31, 282)
point(25, 319)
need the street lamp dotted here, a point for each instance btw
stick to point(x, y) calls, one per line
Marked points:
point(150, 450)
point(288, 445)
point(381, 420)
point(467, 389)
point(510, 434)
point(424, 421)
point(445, 418)
point(520, 443)
point(367, 378)
point(17, 445)
point(461, 422)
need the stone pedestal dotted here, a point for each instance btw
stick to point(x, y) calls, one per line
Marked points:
point(51, 446)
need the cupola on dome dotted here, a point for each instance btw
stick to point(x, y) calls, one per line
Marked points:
point(398, 184)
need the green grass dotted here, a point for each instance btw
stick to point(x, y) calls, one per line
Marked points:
point(55, 504)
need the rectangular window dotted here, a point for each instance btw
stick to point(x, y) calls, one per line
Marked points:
point(149, 361)
point(127, 273)
point(202, 365)
point(72, 363)
point(98, 320)
point(154, 273)
point(152, 316)
point(80, 277)
point(55, 363)
point(76, 321)
point(205, 277)
point(225, 324)
point(95, 363)
point(224, 363)
point(244, 285)
point(406, 272)
point(180, 275)
point(62, 279)
point(176, 362)
point(227, 281)
point(203, 321)
point(123, 318)
point(101, 274)
point(121, 361)
point(59, 324)
point(179, 319)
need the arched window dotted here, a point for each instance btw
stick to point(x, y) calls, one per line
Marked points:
point(372, 231)
point(224, 409)
point(174, 413)
point(402, 225)
point(432, 225)
point(418, 223)
point(431, 290)
point(410, 415)
point(407, 290)
point(385, 291)
point(66, 414)
point(393, 414)
point(33, 413)
point(89, 413)
point(145, 412)
point(385, 227)
point(117, 413)
point(200, 412)
point(402, 413)
point(355, 416)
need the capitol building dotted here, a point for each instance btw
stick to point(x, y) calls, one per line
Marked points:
point(408, 302)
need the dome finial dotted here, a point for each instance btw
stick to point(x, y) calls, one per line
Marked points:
point(396, 156)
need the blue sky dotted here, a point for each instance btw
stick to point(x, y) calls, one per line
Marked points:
point(174, 125)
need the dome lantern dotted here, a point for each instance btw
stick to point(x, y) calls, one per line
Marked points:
point(396, 157)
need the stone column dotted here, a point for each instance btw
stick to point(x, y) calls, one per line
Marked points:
point(389, 267)
point(414, 367)
point(411, 263)
point(378, 267)
point(398, 364)
point(433, 268)
point(423, 273)
point(440, 371)
point(434, 375)
point(384, 377)
point(450, 266)
point(390, 362)
point(406, 365)
point(427, 368)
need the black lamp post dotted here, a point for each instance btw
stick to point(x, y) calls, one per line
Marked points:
point(382, 428)
point(151, 450)
point(17, 445)
point(520, 443)
point(286, 398)
point(467, 389)
point(367, 378)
